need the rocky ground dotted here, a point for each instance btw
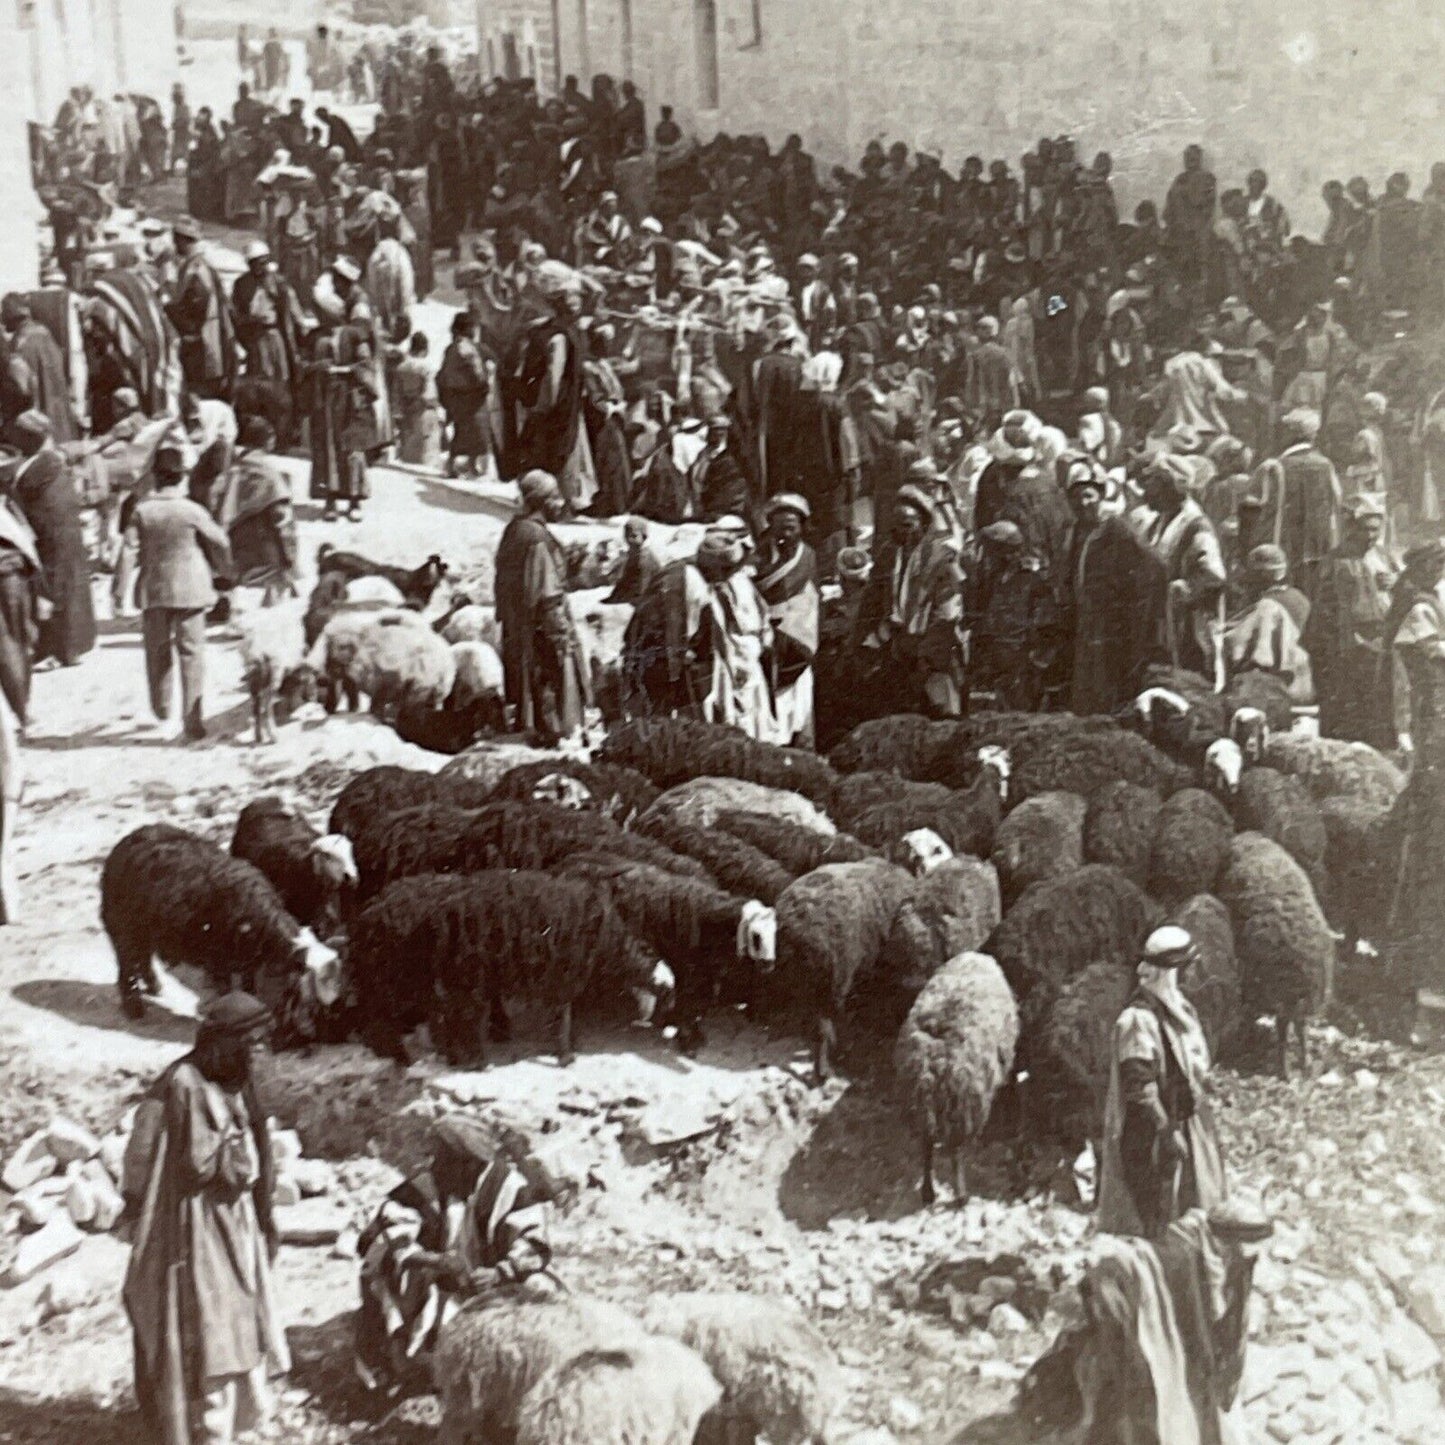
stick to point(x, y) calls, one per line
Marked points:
point(725, 1171)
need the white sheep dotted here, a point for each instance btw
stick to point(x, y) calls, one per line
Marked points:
point(491, 1353)
point(478, 674)
point(377, 591)
point(472, 622)
point(701, 800)
point(646, 1392)
point(393, 657)
point(273, 642)
point(953, 1054)
point(779, 1376)
point(1329, 767)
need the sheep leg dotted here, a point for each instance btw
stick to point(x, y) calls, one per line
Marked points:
point(130, 966)
point(960, 1178)
point(825, 1047)
point(927, 1192)
point(1303, 1039)
point(459, 1033)
point(501, 1024)
point(565, 1051)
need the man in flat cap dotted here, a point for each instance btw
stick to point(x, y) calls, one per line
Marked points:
point(1161, 1149)
point(202, 317)
point(36, 379)
point(46, 493)
point(199, 1182)
point(1345, 634)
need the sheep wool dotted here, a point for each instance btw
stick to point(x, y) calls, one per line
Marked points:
point(953, 1054)
point(1059, 927)
point(1362, 847)
point(651, 1392)
point(949, 911)
point(736, 866)
point(904, 744)
point(487, 762)
point(1067, 1057)
point(389, 789)
point(1042, 838)
point(1084, 762)
point(673, 750)
point(1332, 766)
point(1119, 828)
point(1281, 807)
point(273, 641)
point(477, 674)
point(619, 792)
point(832, 926)
point(779, 1376)
point(1283, 944)
point(702, 799)
point(966, 820)
point(798, 849)
point(491, 1353)
point(314, 877)
point(1190, 845)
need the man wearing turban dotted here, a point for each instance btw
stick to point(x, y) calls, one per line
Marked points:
point(544, 676)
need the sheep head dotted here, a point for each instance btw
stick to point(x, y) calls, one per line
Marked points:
point(758, 935)
point(999, 761)
point(1223, 765)
point(563, 790)
point(922, 850)
point(1157, 707)
point(299, 687)
point(1250, 729)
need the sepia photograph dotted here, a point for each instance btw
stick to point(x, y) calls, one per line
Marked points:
point(722, 722)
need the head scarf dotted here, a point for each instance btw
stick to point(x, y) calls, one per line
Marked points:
point(537, 486)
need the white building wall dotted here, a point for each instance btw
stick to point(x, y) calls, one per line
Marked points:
point(1309, 91)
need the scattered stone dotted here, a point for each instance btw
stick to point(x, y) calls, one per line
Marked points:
point(112, 1156)
point(67, 1290)
point(80, 1203)
point(346, 1245)
point(69, 1141)
point(1417, 1410)
point(1424, 1291)
point(34, 1208)
point(310, 1223)
point(29, 1164)
point(904, 1416)
point(285, 1148)
point(313, 1177)
point(999, 1287)
point(287, 1191)
point(1410, 1351)
point(1004, 1320)
point(1366, 1081)
point(832, 1300)
point(57, 1239)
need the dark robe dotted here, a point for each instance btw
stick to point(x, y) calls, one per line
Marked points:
point(20, 582)
point(777, 386)
point(339, 397)
point(1118, 589)
point(549, 429)
point(267, 319)
point(47, 495)
point(658, 677)
point(1345, 640)
point(463, 388)
point(542, 667)
point(1036, 504)
point(37, 370)
point(202, 318)
point(720, 485)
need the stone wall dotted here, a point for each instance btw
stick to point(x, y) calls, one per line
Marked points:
point(1308, 91)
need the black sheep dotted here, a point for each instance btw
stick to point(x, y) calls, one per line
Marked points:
point(315, 876)
point(449, 951)
point(620, 792)
point(700, 931)
point(1190, 847)
point(1085, 761)
point(441, 838)
point(389, 789)
point(448, 729)
point(1281, 807)
point(1062, 925)
point(799, 850)
point(1119, 828)
point(676, 750)
point(167, 894)
point(736, 866)
point(416, 584)
point(966, 820)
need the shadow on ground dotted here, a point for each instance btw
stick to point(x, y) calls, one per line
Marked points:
point(95, 1006)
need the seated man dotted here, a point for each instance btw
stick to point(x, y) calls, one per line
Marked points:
point(469, 1223)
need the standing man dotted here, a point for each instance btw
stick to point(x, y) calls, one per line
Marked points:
point(788, 583)
point(37, 369)
point(1264, 634)
point(179, 547)
point(202, 318)
point(817, 310)
point(1415, 633)
point(545, 679)
point(199, 1179)
point(46, 492)
point(1299, 497)
point(268, 326)
point(1345, 632)
point(1189, 216)
point(718, 483)
point(552, 438)
point(1161, 1149)
point(20, 601)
